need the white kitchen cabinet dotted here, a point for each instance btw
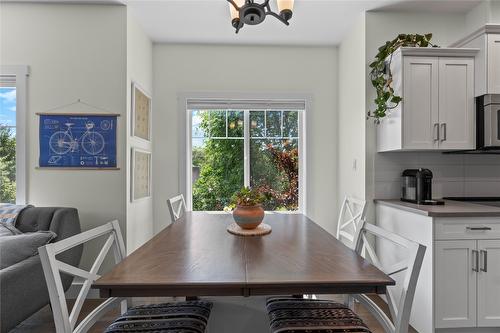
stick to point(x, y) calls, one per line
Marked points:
point(458, 289)
point(455, 283)
point(420, 81)
point(487, 60)
point(437, 110)
point(467, 283)
point(488, 284)
point(456, 103)
point(493, 63)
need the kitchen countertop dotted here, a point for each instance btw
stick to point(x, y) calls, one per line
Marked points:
point(449, 209)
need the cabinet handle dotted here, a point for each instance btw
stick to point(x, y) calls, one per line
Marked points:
point(484, 255)
point(443, 130)
point(475, 260)
point(478, 228)
point(436, 132)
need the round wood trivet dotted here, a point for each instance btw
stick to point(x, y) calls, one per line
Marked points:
point(262, 229)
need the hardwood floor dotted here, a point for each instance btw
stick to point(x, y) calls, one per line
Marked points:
point(230, 315)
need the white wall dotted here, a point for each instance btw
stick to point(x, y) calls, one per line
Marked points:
point(239, 69)
point(139, 71)
point(487, 11)
point(495, 12)
point(478, 16)
point(73, 51)
point(383, 26)
point(454, 175)
point(352, 114)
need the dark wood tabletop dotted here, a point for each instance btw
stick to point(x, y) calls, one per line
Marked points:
point(196, 256)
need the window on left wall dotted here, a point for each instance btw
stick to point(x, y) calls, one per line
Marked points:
point(8, 144)
point(12, 135)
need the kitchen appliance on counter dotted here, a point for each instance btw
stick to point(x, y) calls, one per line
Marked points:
point(486, 201)
point(417, 187)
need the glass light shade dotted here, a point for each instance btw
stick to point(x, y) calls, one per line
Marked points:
point(285, 5)
point(235, 13)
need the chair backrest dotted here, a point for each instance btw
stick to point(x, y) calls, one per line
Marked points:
point(177, 207)
point(52, 267)
point(399, 308)
point(351, 214)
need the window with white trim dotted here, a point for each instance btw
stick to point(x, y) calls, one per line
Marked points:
point(12, 134)
point(258, 144)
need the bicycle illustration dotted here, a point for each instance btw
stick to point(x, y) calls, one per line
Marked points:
point(63, 142)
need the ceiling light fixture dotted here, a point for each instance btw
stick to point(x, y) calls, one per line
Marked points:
point(248, 12)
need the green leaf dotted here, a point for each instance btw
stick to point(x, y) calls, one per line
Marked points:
point(381, 79)
point(396, 99)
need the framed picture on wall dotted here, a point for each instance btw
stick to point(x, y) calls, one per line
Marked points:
point(141, 113)
point(140, 174)
point(78, 141)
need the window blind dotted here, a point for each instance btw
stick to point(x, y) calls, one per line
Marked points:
point(7, 81)
point(242, 104)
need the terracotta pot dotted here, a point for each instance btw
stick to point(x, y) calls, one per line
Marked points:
point(248, 217)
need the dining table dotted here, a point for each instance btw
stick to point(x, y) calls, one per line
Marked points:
point(197, 256)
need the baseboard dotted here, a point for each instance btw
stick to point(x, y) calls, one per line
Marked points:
point(76, 286)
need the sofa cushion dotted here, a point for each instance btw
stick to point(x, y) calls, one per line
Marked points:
point(35, 219)
point(7, 229)
point(16, 248)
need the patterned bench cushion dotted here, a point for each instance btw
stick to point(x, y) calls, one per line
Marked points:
point(183, 317)
point(290, 315)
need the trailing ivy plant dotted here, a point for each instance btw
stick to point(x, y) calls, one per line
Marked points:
point(381, 76)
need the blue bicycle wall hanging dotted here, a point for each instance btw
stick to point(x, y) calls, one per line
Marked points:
point(85, 141)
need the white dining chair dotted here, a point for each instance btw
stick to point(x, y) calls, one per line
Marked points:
point(407, 269)
point(139, 319)
point(308, 314)
point(349, 224)
point(177, 207)
point(352, 213)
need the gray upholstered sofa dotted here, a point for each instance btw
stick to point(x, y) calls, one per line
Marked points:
point(22, 286)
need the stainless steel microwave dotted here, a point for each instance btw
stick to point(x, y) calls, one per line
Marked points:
point(488, 122)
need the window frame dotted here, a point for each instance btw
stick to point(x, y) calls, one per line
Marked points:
point(186, 185)
point(21, 74)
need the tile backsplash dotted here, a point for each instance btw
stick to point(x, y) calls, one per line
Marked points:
point(454, 175)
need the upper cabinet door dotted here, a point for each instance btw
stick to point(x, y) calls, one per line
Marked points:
point(456, 263)
point(420, 102)
point(488, 284)
point(456, 103)
point(493, 64)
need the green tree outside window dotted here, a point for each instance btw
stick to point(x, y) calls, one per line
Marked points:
point(274, 162)
point(7, 166)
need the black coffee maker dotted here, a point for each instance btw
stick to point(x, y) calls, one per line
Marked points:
point(417, 187)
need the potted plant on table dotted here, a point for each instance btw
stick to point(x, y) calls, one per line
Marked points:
point(248, 212)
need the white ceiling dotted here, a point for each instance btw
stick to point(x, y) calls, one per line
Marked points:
point(315, 22)
point(435, 6)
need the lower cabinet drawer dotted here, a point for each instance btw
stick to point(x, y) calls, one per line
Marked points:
point(466, 228)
